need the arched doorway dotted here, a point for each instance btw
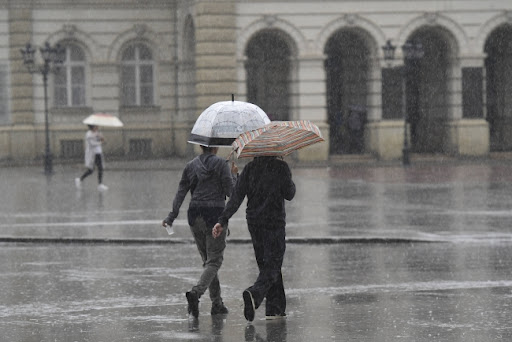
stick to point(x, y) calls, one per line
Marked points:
point(498, 65)
point(427, 86)
point(347, 68)
point(268, 70)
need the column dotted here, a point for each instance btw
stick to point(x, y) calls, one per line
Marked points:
point(22, 102)
point(468, 131)
point(385, 132)
point(216, 76)
point(309, 102)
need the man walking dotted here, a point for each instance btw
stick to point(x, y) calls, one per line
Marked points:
point(267, 182)
point(209, 180)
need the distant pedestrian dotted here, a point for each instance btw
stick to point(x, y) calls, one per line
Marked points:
point(93, 156)
point(209, 180)
point(267, 182)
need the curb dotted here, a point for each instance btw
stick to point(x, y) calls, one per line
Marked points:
point(291, 240)
point(177, 163)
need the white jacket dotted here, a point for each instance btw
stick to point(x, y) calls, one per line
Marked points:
point(92, 147)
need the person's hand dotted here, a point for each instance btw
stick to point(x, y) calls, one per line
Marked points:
point(234, 168)
point(217, 230)
point(167, 222)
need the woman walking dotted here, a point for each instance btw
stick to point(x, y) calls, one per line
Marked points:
point(93, 156)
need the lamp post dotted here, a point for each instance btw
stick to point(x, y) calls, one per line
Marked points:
point(53, 58)
point(412, 51)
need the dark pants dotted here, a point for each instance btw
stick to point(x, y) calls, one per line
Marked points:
point(99, 165)
point(269, 247)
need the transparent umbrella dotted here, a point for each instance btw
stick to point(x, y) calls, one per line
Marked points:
point(221, 123)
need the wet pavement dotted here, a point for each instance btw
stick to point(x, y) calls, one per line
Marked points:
point(374, 254)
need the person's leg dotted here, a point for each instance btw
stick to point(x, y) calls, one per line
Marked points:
point(214, 289)
point(250, 302)
point(218, 306)
point(200, 240)
point(99, 164)
point(257, 245)
point(193, 295)
point(275, 304)
point(212, 252)
point(87, 173)
point(270, 243)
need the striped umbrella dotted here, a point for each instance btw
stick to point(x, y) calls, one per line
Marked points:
point(278, 138)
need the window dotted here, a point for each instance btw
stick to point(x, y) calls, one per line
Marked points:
point(392, 94)
point(472, 93)
point(69, 81)
point(137, 76)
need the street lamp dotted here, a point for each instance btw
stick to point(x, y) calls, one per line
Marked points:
point(389, 51)
point(53, 58)
point(412, 51)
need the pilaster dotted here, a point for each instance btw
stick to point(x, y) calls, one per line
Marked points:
point(468, 137)
point(385, 139)
point(23, 138)
point(309, 103)
point(215, 33)
point(20, 33)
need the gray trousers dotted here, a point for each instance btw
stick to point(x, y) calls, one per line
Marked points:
point(212, 253)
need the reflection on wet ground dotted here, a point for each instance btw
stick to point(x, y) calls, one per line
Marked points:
point(364, 292)
point(440, 269)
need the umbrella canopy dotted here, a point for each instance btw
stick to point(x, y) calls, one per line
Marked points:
point(222, 122)
point(103, 119)
point(279, 138)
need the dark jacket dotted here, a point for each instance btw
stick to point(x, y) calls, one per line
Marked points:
point(209, 180)
point(267, 182)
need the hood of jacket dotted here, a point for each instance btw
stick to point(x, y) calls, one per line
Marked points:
point(204, 166)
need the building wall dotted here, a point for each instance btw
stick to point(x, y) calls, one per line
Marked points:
point(465, 24)
point(201, 61)
point(101, 30)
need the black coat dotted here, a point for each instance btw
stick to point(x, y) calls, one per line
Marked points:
point(267, 182)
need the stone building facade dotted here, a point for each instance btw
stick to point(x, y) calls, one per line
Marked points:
point(158, 63)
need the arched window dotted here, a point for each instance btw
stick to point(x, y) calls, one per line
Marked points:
point(137, 76)
point(69, 81)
